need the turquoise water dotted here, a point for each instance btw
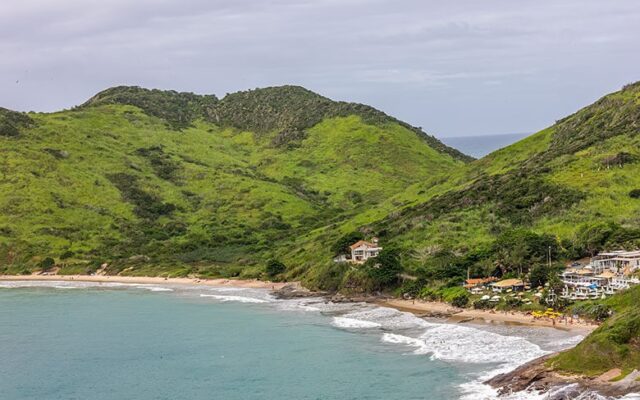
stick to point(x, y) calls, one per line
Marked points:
point(117, 344)
point(89, 341)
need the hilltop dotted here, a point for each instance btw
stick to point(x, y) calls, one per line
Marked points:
point(148, 182)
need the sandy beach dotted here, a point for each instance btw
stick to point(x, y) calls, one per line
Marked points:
point(461, 315)
point(246, 283)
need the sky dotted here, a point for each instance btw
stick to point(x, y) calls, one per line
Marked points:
point(454, 68)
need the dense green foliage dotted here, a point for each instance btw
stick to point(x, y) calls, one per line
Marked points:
point(384, 269)
point(11, 122)
point(562, 193)
point(159, 182)
point(275, 268)
point(179, 110)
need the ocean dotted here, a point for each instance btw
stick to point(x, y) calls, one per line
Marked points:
point(75, 340)
point(480, 146)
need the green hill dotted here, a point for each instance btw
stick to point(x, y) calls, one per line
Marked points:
point(574, 186)
point(615, 344)
point(161, 182)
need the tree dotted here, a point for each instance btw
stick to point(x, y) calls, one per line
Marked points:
point(591, 238)
point(539, 275)
point(384, 269)
point(47, 263)
point(274, 268)
point(341, 246)
point(519, 247)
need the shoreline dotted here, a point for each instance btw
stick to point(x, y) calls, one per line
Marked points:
point(463, 315)
point(419, 308)
point(143, 280)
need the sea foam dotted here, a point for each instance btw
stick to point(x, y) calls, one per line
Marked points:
point(240, 299)
point(352, 323)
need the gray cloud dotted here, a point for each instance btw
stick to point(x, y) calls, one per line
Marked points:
point(455, 68)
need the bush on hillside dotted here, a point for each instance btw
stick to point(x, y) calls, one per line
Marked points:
point(275, 268)
point(46, 264)
point(460, 300)
point(341, 246)
point(482, 305)
point(384, 269)
point(635, 194)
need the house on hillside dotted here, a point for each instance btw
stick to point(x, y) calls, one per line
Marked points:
point(625, 262)
point(362, 250)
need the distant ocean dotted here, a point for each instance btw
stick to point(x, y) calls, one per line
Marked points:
point(74, 340)
point(480, 146)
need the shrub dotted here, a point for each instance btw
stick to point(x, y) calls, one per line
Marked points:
point(460, 300)
point(384, 269)
point(428, 293)
point(513, 302)
point(274, 268)
point(635, 194)
point(450, 293)
point(341, 246)
point(67, 254)
point(482, 304)
point(592, 310)
point(47, 263)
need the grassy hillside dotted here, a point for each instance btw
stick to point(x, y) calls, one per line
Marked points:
point(156, 182)
point(576, 182)
point(615, 344)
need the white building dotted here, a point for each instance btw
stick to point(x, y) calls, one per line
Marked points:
point(624, 262)
point(362, 250)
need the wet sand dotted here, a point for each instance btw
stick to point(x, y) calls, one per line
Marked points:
point(460, 315)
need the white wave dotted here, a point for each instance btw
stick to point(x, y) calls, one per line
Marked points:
point(155, 288)
point(296, 305)
point(66, 287)
point(389, 318)
point(352, 323)
point(394, 338)
point(240, 299)
point(470, 345)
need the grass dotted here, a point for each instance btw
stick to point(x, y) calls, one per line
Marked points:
point(110, 181)
point(615, 344)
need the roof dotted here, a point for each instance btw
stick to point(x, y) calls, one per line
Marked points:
point(508, 283)
point(480, 281)
point(607, 275)
point(362, 243)
point(620, 254)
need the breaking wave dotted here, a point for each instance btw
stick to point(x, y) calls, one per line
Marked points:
point(352, 323)
point(240, 299)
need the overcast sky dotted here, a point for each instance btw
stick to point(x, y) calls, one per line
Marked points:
point(452, 67)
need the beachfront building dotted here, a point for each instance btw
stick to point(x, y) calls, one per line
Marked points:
point(623, 262)
point(515, 285)
point(362, 250)
point(477, 285)
point(607, 273)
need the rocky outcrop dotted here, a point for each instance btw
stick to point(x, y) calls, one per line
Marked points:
point(295, 291)
point(539, 377)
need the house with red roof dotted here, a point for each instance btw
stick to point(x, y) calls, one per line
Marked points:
point(363, 250)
